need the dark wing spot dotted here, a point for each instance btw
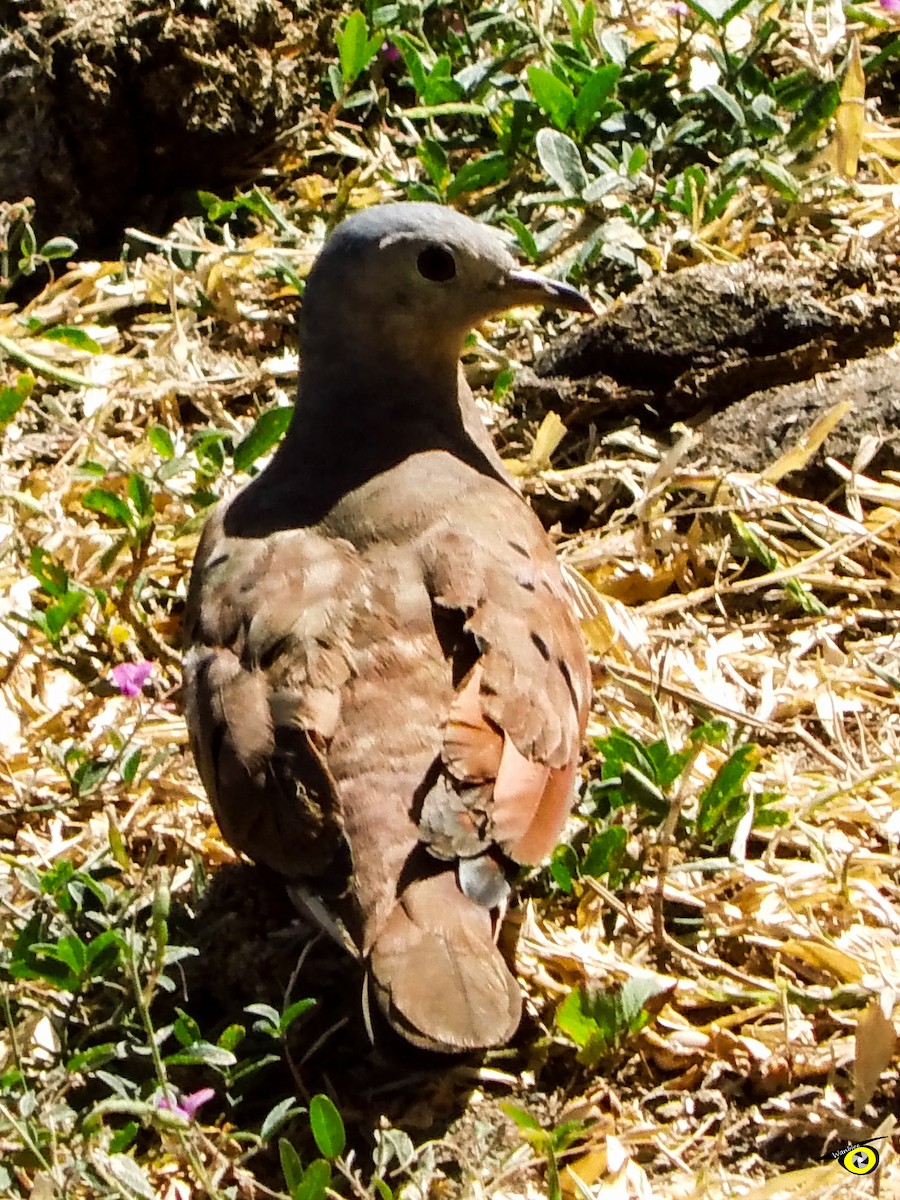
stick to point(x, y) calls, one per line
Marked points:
point(519, 548)
point(542, 648)
point(570, 684)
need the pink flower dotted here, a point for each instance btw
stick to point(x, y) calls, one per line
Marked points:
point(187, 1106)
point(678, 9)
point(891, 6)
point(390, 52)
point(130, 678)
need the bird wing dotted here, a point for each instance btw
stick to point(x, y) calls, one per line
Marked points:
point(267, 626)
point(514, 730)
point(503, 780)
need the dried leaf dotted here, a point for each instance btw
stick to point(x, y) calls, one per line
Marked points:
point(876, 1042)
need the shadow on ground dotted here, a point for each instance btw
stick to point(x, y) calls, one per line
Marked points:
point(253, 947)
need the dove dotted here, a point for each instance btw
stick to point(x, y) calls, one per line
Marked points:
point(386, 682)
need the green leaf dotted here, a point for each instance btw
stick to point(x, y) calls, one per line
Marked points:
point(123, 1137)
point(43, 961)
point(479, 173)
point(619, 748)
point(598, 1021)
point(92, 1058)
point(591, 98)
point(291, 1167)
point(456, 108)
point(59, 247)
point(727, 101)
point(522, 1117)
point(552, 95)
point(268, 429)
point(716, 801)
point(53, 578)
point(413, 61)
point(108, 504)
point(605, 852)
point(12, 398)
point(561, 159)
point(713, 733)
point(104, 951)
point(64, 610)
point(718, 12)
point(290, 1014)
point(577, 1017)
point(140, 495)
point(88, 469)
point(433, 158)
point(315, 1182)
point(355, 49)
point(327, 1126)
point(564, 868)
point(277, 1117)
point(819, 108)
point(524, 235)
point(186, 1029)
point(780, 178)
point(877, 61)
point(441, 87)
point(71, 335)
point(203, 1053)
point(636, 160)
point(130, 766)
point(161, 441)
point(72, 951)
point(231, 1037)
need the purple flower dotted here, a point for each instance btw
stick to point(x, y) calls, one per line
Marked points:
point(678, 9)
point(390, 52)
point(891, 6)
point(130, 678)
point(186, 1106)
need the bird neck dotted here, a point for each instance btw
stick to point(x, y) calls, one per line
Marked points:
point(346, 431)
point(362, 422)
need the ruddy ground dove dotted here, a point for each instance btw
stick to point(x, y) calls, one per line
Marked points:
point(386, 681)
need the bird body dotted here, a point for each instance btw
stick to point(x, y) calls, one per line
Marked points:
point(384, 665)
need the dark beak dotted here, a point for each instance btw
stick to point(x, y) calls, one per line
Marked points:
point(527, 287)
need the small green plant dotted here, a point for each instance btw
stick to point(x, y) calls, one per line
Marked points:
point(314, 1181)
point(749, 541)
point(648, 780)
point(549, 1143)
point(61, 600)
point(357, 47)
point(20, 255)
point(600, 1022)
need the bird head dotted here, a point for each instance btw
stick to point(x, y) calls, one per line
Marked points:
point(412, 279)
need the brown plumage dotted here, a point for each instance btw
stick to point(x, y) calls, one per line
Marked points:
point(383, 657)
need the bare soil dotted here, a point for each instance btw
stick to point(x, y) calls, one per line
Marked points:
point(111, 109)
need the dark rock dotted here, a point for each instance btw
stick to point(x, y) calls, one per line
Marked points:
point(707, 336)
point(752, 433)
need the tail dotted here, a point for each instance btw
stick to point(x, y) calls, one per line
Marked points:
point(437, 974)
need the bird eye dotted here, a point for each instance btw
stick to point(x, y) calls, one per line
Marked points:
point(437, 264)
